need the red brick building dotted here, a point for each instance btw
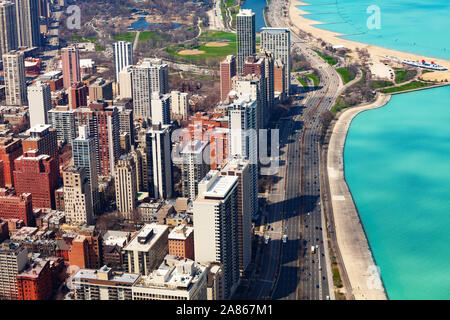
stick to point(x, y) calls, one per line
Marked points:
point(181, 242)
point(210, 128)
point(37, 174)
point(85, 251)
point(10, 149)
point(16, 207)
point(227, 71)
point(35, 282)
point(78, 93)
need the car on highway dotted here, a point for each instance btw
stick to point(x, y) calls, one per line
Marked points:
point(284, 238)
point(266, 240)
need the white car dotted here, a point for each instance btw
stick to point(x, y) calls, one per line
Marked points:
point(266, 240)
point(284, 238)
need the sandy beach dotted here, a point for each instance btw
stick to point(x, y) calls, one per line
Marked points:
point(355, 250)
point(377, 53)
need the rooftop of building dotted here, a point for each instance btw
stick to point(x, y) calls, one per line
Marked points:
point(181, 232)
point(146, 237)
point(246, 12)
point(24, 233)
point(106, 273)
point(275, 30)
point(215, 185)
point(33, 269)
point(194, 147)
point(113, 238)
point(174, 273)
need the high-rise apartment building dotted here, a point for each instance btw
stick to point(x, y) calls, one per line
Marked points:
point(244, 140)
point(85, 156)
point(37, 174)
point(216, 226)
point(13, 259)
point(227, 71)
point(10, 150)
point(28, 25)
point(39, 102)
point(240, 168)
point(160, 108)
point(101, 89)
point(145, 252)
point(16, 207)
point(123, 56)
point(245, 36)
point(77, 196)
point(148, 76)
point(263, 64)
point(62, 118)
point(78, 95)
point(179, 104)
point(103, 124)
point(125, 81)
point(194, 168)
point(8, 27)
point(252, 86)
point(126, 186)
point(159, 161)
point(70, 66)
point(15, 81)
point(175, 279)
point(278, 42)
point(42, 138)
point(103, 284)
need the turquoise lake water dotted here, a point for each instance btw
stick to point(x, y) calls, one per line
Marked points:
point(412, 26)
point(398, 170)
point(397, 157)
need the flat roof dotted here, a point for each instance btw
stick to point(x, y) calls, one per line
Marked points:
point(221, 186)
point(135, 245)
point(194, 147)
point(91, 274)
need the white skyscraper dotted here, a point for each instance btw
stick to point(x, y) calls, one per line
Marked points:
point(243, 143)
point(278, 42)
point(252, 86)
point(15, 81)
point(245, 36)
point(240, 168)
point(216, 226)
point(150, 75)
point(179, 103)
point(194, 167)
point(159, 164)
point(126, 83)
point(123, 56)
point(39, 102)
point(160, 108)
point(8, 27)
point(77, 196)
point(28, 25)
point(126, 185)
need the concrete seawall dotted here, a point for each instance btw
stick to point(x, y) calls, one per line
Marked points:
point(356, 254)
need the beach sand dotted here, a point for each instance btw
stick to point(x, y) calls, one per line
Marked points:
point(377, 53)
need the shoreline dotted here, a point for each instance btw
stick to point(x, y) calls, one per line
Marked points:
point(377, 53)
point(351, 237)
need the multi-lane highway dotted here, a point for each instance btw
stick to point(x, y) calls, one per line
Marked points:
point(294, 272)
